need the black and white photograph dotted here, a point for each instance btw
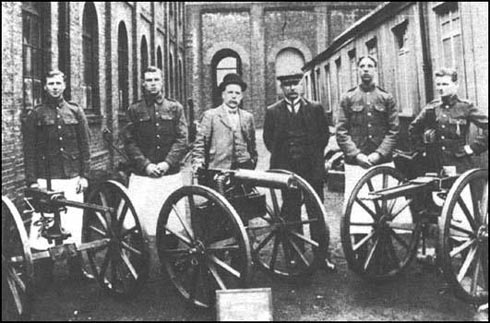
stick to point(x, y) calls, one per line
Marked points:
point(245, 161)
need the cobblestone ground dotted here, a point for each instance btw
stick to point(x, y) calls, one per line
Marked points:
point(417, 295)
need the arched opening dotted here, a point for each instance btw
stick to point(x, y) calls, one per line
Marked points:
point(91, 58)
point(144, 55)
point(224, 62)
point(286, 60)
point(159, 58)
point(123, 66)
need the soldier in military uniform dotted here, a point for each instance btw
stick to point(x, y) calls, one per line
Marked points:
point(450, 131)
point(155, 141)
point(367, 132)
point(296, 133)
point(56, 143)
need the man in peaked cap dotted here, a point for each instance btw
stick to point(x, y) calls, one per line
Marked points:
point(227, 132)
point(296, 133)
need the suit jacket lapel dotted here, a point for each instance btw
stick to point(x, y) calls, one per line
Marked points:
point(223, 115)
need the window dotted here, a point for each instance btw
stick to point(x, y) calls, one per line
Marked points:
point(34, 53)
point(144, 55)
point(328, 89)
point(64, 45)
point(90, 58)
point(181, 81)
point(338, 78)
point(450, 37)
point(171, 74)
point(224, 62)
point(123, 66)
point(159, 58)
point(372, 50)
point(352, 67)
point(318, 82)
point(403, 64)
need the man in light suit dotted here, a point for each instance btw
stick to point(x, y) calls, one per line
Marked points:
point(227, 132)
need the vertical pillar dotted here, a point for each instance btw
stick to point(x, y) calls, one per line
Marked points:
point(256, 96)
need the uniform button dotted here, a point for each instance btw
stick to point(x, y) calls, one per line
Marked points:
point(369, 125)
point(61, 138)
point(443, 126)
point(446, 106)
point(61, 149)
point(443, 148)
point(158, 147)
point(158, 136)
point(369, 114)
point(59, 127)
point(444, 115)
point(370, 136)
point(442, 137)
point(157, 124)
point(58, 116)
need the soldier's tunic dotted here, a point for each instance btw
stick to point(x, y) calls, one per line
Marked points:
point(56, 134)
point(453, 119)
point(156, 132)
point(367, 122)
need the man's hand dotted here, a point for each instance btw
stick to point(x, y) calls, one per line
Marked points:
point(374, 158)
point(196, 166)
point(82, 185)
point(163, 167)
point(363, 161)
point(152, 170)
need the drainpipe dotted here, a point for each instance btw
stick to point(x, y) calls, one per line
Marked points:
point(426, 61)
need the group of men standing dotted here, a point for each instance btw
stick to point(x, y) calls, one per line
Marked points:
point(296, 132)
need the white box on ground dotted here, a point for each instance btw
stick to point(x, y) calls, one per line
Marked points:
point(251, 304)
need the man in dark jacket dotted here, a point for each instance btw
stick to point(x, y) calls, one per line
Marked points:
point(449, 130)
point(296, 133)
point(155, 141)
point(56, 147)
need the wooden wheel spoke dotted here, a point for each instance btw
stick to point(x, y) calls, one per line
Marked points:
point(467, 213)
point(121, 215)
point(265, 241)
point(215, 274)
point(400, 240)
point(182, 222)
point(97, 230)
point(399, 211)
point(275, 250)
point(128, 264)
point(225, 266)
point(392, 252)
point(102, 220)
point(180, 236)
point(475, 193)
point(129, 248)
point(305, 239)
point(457, 250)
point(16, 296)
point(474, 281)
point(16, 279)
point(194, 281)
point(371, 253)
point(224, 248)
point(275, 203)
point(466, 264)
point(367, 209)
point(371, 189)
point(384, 203)
point(462, 230)
point(299, 252)
point(223, 243)
point(363, 241)
point(105, 264)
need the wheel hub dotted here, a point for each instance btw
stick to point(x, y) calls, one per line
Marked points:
point(482, 234)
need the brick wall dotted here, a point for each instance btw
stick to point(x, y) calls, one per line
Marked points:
point(138, 19)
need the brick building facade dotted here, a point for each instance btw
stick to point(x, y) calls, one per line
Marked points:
point(257, 40)
point(102, 47)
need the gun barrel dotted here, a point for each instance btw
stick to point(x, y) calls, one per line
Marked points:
point(406, 189)
point(265, 179)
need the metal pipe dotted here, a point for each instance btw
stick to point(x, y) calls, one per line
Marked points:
point(265, 179)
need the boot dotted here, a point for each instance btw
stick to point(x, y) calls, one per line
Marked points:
point(76, 271)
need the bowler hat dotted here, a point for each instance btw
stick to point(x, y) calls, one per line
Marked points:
point(290, 75)
point(232, 78)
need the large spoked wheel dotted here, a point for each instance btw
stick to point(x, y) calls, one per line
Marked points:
point(17, 265)
point(120, 264)
point(464, 238)
point(379, 237)
point(202, 244)
point(291, 240)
